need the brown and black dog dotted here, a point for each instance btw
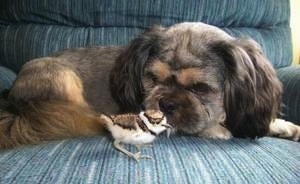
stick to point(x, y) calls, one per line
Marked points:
point(207, 83)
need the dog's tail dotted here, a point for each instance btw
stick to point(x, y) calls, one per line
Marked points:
point(31, 122)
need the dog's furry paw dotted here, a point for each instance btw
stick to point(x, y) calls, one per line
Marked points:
point(216, 132)
point(284, 129)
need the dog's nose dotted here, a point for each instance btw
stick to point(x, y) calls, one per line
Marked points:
point(167, 106)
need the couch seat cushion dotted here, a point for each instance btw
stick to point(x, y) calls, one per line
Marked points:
point(179, 159)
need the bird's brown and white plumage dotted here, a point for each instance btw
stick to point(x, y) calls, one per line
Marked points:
point(137, 130)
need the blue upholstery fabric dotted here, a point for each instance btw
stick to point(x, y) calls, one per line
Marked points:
point(46, 26)
point(290, 77)
point(6, 78)
point(141, 13)
point(36, 28)
point(175, 160)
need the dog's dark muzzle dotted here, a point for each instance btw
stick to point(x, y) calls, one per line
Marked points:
point(167, 106)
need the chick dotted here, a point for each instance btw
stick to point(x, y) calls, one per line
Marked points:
point(137, 130)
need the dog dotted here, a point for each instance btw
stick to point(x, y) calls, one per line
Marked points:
point(207, 83)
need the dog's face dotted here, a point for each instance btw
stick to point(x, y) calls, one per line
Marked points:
point(185, 82)
point(199, 77)
point(190, 97)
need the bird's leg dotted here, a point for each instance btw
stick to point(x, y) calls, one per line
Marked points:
point(140, 146)
point(119, 147)
point(137, 156)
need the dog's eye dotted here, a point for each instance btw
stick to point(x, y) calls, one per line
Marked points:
point(152, 76)
point(199, 88)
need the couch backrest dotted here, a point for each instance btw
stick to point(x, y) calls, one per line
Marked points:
point(35, 28)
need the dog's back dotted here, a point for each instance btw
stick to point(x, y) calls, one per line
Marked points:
point(52, 97)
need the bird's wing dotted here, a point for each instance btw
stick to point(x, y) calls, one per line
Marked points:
point(126, 122)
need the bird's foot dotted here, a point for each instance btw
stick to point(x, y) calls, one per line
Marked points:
point(137, 156)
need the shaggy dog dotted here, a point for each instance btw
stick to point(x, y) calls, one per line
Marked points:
point(206, 82)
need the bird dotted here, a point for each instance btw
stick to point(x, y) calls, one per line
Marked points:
point(136, 129)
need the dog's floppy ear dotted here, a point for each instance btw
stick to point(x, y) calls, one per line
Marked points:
point(126, 76)
point(252, 91)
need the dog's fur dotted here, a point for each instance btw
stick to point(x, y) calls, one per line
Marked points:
point(206, 82)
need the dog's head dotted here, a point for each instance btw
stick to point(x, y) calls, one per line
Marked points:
point(198, 76)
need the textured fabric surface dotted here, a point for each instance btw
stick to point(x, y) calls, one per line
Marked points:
point(6, 78)
point(290, 77)
point(141, 13)
point(35, 28)
point(175, 160)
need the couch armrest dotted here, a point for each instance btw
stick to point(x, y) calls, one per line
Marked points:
point(290, 77)
point(6, 78)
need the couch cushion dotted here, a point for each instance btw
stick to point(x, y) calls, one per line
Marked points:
point(37, 28)
point(140, 13)
point(290, 77)
point(6, 78)
point(175, 160)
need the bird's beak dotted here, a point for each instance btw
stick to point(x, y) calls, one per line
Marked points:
point(167, 125)
point(169, 129)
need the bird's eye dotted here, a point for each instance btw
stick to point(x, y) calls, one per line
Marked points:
point(156, 120)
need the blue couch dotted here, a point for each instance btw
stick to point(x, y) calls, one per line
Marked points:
point(36, 28)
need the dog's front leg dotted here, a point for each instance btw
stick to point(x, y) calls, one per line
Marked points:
point(284, 129)
point(216, 132)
